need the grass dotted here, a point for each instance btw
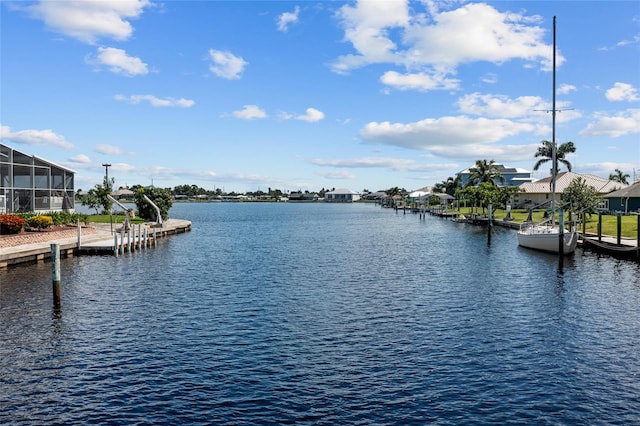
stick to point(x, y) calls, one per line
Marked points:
point(116, 218)
point(629, 224)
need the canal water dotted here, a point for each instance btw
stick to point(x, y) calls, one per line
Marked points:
point(323, 314)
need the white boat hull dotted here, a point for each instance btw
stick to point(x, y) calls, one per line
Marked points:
point(547, 239)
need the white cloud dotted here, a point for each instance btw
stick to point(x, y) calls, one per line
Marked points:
point(80, 159)
point(155, 102)
point(431, 44)
point(288, 18)
point(123, 167)
point(89, 20)
point(489, 78)
point(108, 149)
point(500, 105)
point(605, 168)
point(337, 175)
point(119, 62)
point(624, 123)
point(35, 137)
point(250, 112)
point(444, 131)
point(396, 164)
point(622, 92)
point(623, 43)
point(311, 115)
point(226, 64)
point(471, 152)
point(565, 89)
point(419, 81)
point(366, 27)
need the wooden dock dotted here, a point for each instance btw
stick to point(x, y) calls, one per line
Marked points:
point(97, 239)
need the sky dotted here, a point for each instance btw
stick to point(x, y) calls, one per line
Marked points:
point(303, 95)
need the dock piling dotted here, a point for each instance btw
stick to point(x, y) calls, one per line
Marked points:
point(55, 275)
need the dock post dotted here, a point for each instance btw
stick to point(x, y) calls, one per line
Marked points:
point(139, 236)
point(599, 226)
point(55, 275)
point(489, 222)
point(129, 240)
point(155, 238)
point(79, 235)
point(561, 236)
point(618, 227)
point(133, 237)
point(122, 241)
point(115, 244)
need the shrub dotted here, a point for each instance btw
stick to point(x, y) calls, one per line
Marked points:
point(160, 197)
point(11, 224)
point(40, 222)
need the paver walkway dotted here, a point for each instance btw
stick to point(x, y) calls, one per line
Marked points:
point(52, 236)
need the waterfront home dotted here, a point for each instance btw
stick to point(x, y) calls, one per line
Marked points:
point(512, 176)
point(32, 184)
point(341, 195)
point(123, 194)
point(303, 196)
point(378, 195)
point(625, 200)
point(539, 192)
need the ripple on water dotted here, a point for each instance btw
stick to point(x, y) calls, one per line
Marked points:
point(323, 314)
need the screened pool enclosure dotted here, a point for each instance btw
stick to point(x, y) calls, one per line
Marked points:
point(32, 184)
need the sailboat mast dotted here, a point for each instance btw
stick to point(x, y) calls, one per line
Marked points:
point(554, 167)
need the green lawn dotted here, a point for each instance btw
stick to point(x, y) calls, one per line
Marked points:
point(116, 218)
point(609, 222)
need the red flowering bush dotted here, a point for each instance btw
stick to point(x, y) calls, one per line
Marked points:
point(11, 224)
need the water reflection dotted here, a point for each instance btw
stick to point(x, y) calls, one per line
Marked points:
point(322, 314)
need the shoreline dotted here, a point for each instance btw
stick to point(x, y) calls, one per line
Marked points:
point(35, 247)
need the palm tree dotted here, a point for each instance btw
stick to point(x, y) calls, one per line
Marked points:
point(447, 186)
point(484, 171)
point(619, 176)
point(546, 153)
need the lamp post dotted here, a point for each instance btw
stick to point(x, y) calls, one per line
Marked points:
point(106, 174)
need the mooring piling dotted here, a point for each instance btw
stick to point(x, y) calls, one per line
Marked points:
point(55, 275)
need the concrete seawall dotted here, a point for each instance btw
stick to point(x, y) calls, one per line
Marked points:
point(33, 247)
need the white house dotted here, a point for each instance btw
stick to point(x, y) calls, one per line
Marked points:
point(341, 195)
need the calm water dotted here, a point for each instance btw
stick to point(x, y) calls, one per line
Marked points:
point(323, 314)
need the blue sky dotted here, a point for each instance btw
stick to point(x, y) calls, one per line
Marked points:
point(305, 95)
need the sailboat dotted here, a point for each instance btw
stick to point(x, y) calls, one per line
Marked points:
point(547, 236)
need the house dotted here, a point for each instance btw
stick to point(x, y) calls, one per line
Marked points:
point(303, 196)
point(32, 184)
point(123, 194)
point(378, 195)
point(624, 200)
point(341, 195)
point(512, 176)
point(539, 192)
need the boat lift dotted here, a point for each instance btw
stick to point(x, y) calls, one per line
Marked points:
point(127, 212)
